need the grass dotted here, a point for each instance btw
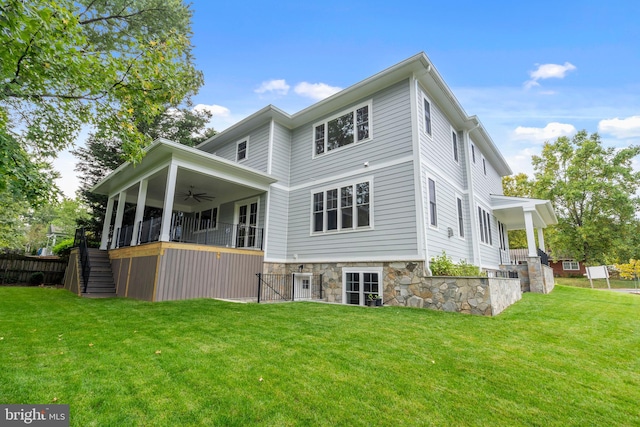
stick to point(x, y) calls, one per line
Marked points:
point(583, 282)
point(565, 359)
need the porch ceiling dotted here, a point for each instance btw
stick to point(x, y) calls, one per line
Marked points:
point(510, 211)
point(219, 178)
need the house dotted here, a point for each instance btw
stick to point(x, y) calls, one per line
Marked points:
point(364, 188)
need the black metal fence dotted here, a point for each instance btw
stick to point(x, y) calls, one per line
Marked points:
point(289, 287)
point(80, 241)
point(544, 257)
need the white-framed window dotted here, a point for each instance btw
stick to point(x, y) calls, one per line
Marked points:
point(502, 234)
point(473, 153)
point(349, 127)
point(207, 219)
point(427, 116)
point(484, 166)
point(345, 207)
point(460, 210)
point(570, 265)
point(242, 150)
point(454, 142)
point(359, 283)
point(433, 204)
point(484, 222)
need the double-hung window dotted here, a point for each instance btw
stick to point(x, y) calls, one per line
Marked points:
point(241, 150)
point(343, 208)
point(347, 128)
point(427, 117)
point(454, 140)
point(570, 265)
point(460, 217)
point(433, 206)
point(484, 219)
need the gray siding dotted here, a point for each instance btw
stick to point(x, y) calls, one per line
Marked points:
point(257, 148)
point(390, 127)
point(393, 213)
point(280, 163)
point(276, 248)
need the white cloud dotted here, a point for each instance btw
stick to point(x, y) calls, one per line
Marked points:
point(215, 110)
point(621, 128)
point(550, 132)
point(548, 71)
point(278, 87)
point(316, 91)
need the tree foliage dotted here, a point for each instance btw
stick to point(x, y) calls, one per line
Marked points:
point(519, 185)
point(592, 189)
point(112, 64)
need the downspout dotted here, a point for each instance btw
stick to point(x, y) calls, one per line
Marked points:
point(475, 244)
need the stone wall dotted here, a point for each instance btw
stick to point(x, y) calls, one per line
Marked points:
point(405, 284)
point(523, 274)
point(549, 281)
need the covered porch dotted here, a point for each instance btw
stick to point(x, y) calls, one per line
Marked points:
point(533, 216)
point(184, 195)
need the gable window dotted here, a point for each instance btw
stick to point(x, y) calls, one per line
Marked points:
point(342, 208)
point(570, 265)
point(473, 153)
point(427, 117)
point(484, 219)
point(460, 217)
point(345, 129)
point(241, 150)
point(433, 207)
point(454, 139)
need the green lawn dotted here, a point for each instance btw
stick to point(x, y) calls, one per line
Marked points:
point(571, 358)
point(583, 282)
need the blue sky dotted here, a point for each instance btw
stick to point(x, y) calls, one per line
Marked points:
point(531, 71)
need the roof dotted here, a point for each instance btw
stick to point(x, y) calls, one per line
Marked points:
point(419, 66)
point(510, 211)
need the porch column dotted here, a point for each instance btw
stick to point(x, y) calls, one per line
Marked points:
point(531, 240)
point(122, 198)
point(107, 223)
point(142, 197)
point(541, 240)
point(167, 208)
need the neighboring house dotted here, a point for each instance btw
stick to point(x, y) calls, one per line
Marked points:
point(363, 187)
point(566, 266)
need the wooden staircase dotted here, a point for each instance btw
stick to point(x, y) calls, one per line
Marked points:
point(101, 283)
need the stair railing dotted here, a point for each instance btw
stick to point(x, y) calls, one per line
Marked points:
point(80, 241)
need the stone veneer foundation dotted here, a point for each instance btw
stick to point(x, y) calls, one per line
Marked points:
point(405, 284)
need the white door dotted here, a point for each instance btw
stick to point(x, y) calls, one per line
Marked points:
point(302, 286)
point(247, 221)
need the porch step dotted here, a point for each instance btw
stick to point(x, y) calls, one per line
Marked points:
point(100, 283)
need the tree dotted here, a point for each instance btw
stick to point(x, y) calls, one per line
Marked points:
point(112, 64)
point(592, 189)
point(102, 155)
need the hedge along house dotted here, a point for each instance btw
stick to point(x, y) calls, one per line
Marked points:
point(364, 187)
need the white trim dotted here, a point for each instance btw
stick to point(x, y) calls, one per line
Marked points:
point(435, 196)
point(424, 125)
point(471, 200)
point(338, 186)
point(362, 299)
point(417, 171)
point(577, 263)
point(436, 171)
point(455, 151)
point(325, 123)
point(236, 215)
point(364, 258)
point(265, 231)
point(246, 149)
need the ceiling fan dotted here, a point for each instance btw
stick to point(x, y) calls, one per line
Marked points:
point(198, 197)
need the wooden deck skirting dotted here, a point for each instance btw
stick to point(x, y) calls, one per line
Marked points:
point(162, 271)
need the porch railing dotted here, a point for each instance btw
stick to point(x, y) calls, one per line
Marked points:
point(191, 230)
point(544, 257)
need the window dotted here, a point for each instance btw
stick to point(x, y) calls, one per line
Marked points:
point(570, 265)
point(473, 153)
point(484, 219)
point(502, 232)
point(207, 219)
point(433, 207)
point(460, 217)
point(360, 283)
point(241, 151)
point(427, 117)
point(347, 128)
point(336, 210)
point(454, 139)
point(484, 166)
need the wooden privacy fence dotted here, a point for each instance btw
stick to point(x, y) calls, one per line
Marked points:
point(18, 269)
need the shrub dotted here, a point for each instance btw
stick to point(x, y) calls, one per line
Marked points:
point(37, 278)
point(442, 265)
point(63, 249)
